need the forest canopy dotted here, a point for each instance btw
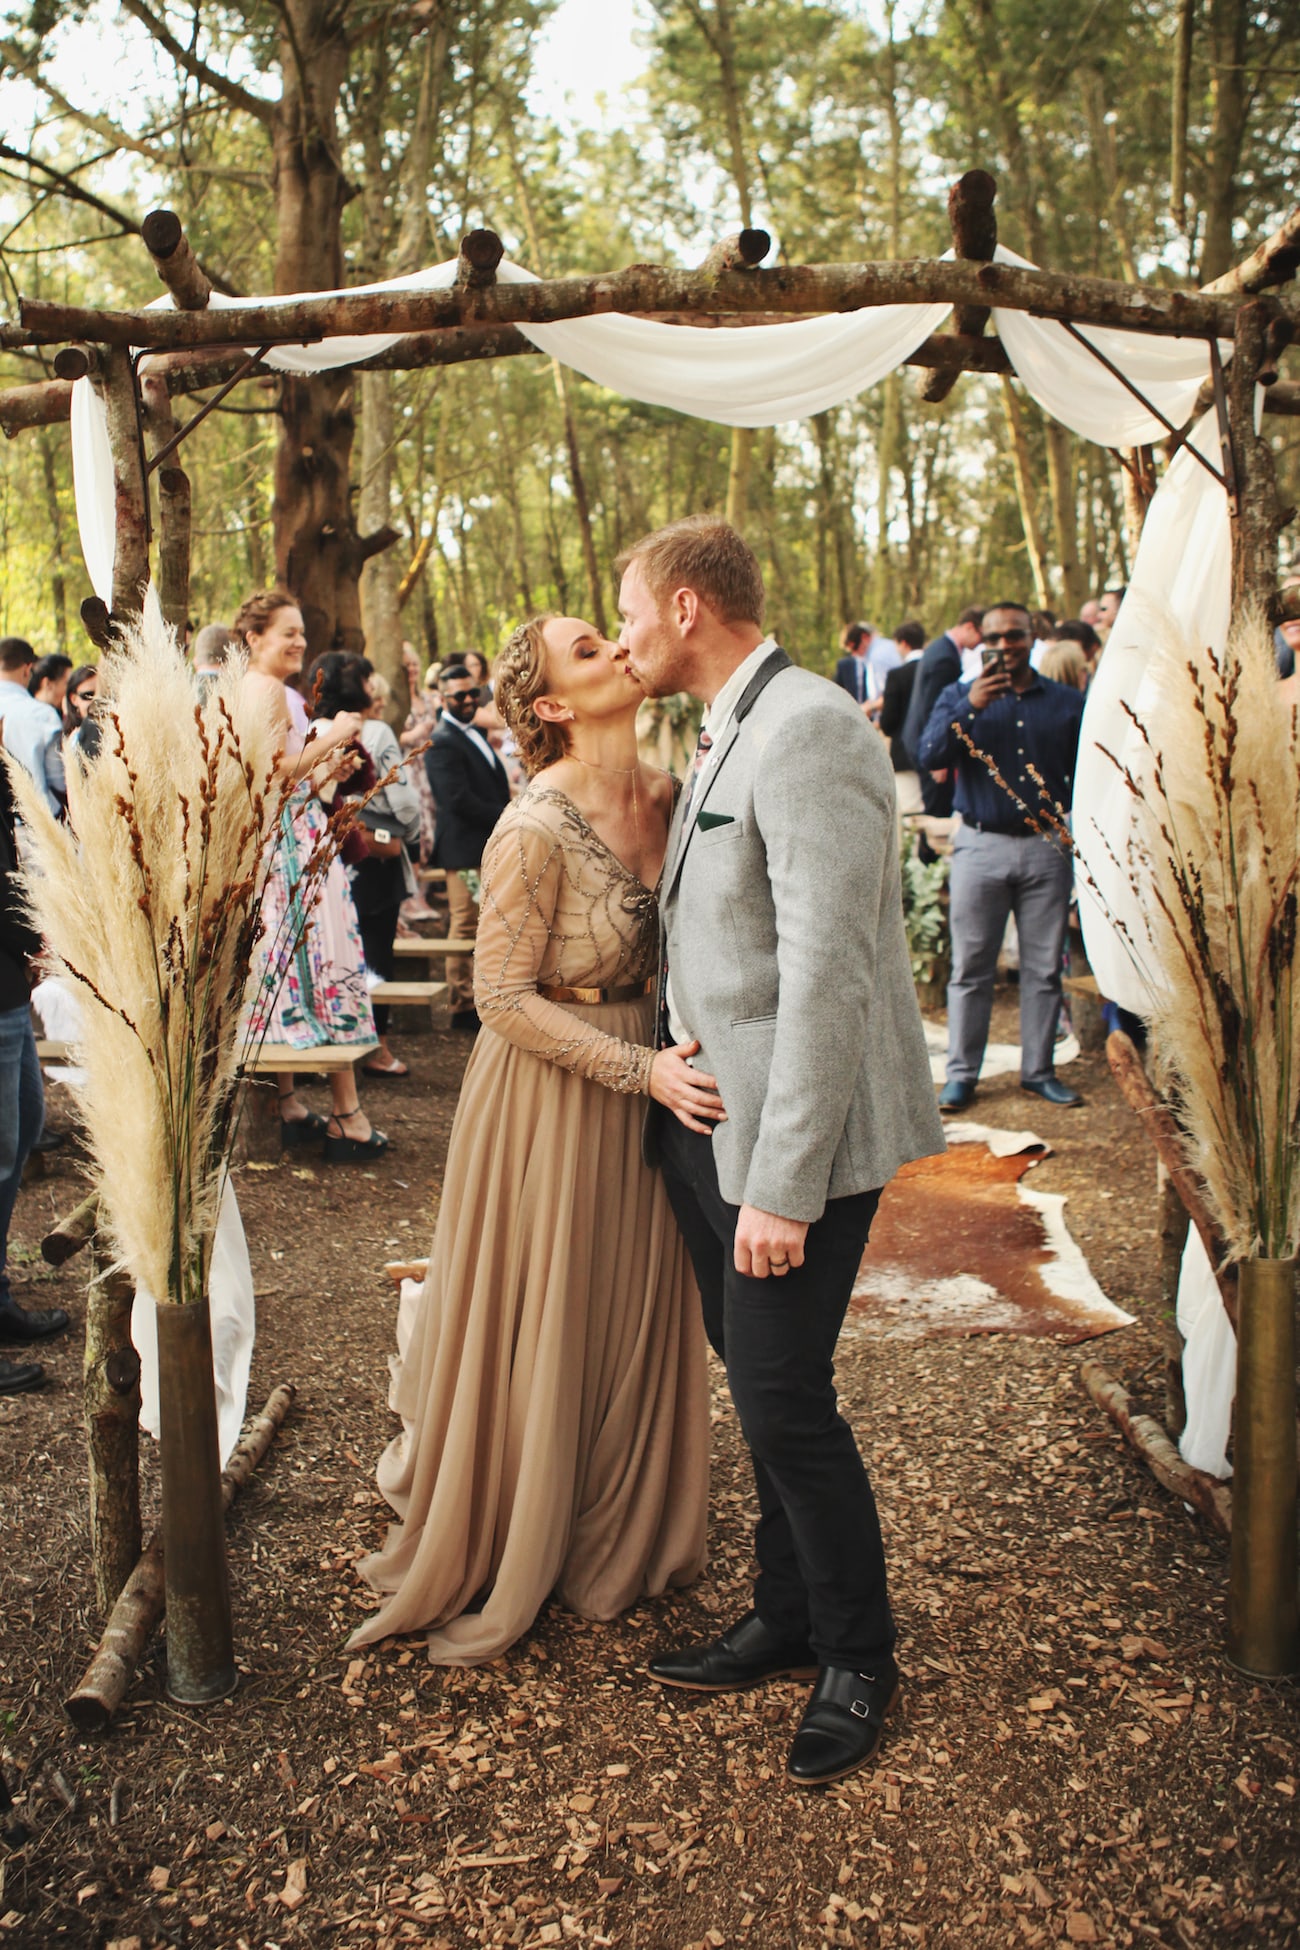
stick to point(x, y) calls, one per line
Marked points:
point(309, 143)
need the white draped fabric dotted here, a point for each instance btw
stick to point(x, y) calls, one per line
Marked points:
point(765, 375)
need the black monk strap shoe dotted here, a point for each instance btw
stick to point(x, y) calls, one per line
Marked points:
point(18, 1376)
point(1053, 1091)
point(744, 1656)
point(843, 1725)
point(30, 1323)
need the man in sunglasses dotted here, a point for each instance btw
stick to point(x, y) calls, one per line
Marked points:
point(1005, 857)
point(471, 790)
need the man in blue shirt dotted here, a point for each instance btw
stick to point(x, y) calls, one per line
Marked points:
point(33, 731)
point(1002, 861)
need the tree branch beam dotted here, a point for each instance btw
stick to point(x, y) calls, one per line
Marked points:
point(169, 247)
point(793, 290)
point(974, 238)
point(1275, 261)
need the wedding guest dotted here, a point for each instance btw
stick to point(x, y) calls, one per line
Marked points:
point(894, 702)
point(212, 645)
point(470, 792)
point(1002, 862)
point(553, 1386)
point(22, 1099)
point(1108, 609)
point(421, 723)
point(384, 878)
point(941, 665)
point(313, 993)
point(1065, 663)
point(83, 688)
point(33, 731)
point(48, 683)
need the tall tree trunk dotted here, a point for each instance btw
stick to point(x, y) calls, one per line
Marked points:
point(1229, 107)
point(58, 588)
point(722, 41)
point(1065, 514)
point(317, 548)
point(1023, 473)
point(564, 393)
point(381, 575)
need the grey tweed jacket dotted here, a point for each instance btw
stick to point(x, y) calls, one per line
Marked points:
point(782, 920)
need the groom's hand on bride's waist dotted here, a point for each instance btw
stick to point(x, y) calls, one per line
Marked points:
point(767, 1245)
point(689, 1094)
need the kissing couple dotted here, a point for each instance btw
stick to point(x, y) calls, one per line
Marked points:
point(733, 951)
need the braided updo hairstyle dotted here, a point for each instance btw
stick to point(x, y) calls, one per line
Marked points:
point(518, 680)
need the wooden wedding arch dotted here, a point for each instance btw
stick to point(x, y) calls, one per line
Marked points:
point(194, 347)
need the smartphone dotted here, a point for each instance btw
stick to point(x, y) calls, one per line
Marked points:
point(993, 660)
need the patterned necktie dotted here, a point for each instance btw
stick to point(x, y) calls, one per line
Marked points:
point(703, 747)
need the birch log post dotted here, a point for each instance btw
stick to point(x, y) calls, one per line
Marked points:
point(142, 1600)
point(115, 380)
point(1212, 1498)
point(111, 1373)
point(1255, 524)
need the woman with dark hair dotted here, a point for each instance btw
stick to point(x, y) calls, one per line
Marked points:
point(552, 1382)
point(315, 994)
point(379, 876)
point(80, 730)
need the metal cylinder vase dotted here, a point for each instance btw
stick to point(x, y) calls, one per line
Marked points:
point(1263, 1619)
point(200, 1634)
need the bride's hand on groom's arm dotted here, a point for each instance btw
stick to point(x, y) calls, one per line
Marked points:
point(689, 1094)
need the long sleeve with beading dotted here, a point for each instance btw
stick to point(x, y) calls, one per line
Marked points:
point(558, 909)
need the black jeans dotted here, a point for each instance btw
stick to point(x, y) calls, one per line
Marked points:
point(821, 1560)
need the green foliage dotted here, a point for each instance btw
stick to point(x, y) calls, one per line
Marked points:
point(925, 910)
point(849, 123)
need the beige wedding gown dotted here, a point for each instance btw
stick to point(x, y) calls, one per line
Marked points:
point(553, 1392)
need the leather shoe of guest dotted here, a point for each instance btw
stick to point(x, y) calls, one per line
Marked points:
point(746, 1655)
point(956, 1096)
point(1053, 1091)
point(18, 1376)
point(30, 1323)
point(843, 1725)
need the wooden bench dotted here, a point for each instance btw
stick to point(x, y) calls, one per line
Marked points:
point(419, 949)
point(432, 876)
point(410, 996)
point(274, 1059)
point(49, 1052)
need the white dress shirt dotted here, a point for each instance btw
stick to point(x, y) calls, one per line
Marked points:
point(476, 736)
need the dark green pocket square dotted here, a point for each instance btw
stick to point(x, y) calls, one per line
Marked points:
point(706, 820)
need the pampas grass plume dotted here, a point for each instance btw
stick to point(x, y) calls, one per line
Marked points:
point(1215, 859)
point(148, 901)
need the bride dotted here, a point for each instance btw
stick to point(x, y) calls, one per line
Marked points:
point(553, 1387)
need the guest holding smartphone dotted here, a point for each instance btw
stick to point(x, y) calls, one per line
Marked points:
point(1004, 860)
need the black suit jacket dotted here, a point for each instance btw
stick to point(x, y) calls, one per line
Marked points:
point(940, 666)
point(846, 676)
point(894, 702)
point(469, 796)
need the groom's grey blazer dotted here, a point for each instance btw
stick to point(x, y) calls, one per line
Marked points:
point(782, 923)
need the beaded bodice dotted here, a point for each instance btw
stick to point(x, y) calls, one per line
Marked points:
point(559, 908)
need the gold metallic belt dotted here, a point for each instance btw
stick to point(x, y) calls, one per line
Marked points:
point(631, 993)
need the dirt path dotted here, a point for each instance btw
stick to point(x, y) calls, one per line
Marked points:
point(1073, 1759)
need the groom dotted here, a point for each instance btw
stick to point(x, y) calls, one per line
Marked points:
point(785, 956)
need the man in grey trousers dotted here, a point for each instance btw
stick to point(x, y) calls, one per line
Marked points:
point(1003, 860)
point(785, 958)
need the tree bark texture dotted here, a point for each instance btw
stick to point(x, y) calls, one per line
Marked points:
point(174, 547)
point(140, 1606)
point(111, 1379)
point(1255, 524)
point(974, 237)
point(1228, 23)
point(130, 493)
point(1205, 1493)
point(789, 290)
point(200, 1633)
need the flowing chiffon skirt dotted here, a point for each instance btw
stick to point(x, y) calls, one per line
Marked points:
point(553, 1391)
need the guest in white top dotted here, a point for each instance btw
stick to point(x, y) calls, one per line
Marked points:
point(33, 731)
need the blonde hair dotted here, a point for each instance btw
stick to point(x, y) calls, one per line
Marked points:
point(1064, 663)
point(380, 688)
point(702, 553)
point(519, 680)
